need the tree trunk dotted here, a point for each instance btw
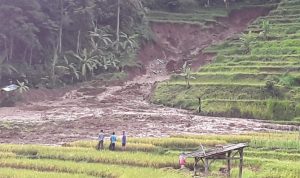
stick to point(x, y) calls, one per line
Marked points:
point(11, 48)
point(30, 57)
point(60, 27)
point(78, 42)
point(6, 49)
point(118, 26)
point(25, 54)
point(55, 57)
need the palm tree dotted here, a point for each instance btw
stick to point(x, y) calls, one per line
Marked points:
point(88, 62)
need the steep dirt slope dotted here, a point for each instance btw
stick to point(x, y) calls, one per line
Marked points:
point(81, 113)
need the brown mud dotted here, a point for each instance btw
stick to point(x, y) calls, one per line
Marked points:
point(55, 117)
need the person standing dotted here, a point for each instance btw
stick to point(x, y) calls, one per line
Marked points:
point(101, 140)
point(113, 140)
point(124, 140)
point(182, 161)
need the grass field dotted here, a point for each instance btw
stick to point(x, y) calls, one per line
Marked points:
point(273, 155)
point(256, 75)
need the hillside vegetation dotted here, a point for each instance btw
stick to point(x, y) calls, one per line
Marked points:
point(151, 157)
point(256, 75)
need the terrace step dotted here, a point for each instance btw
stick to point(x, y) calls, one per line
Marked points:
point(251, 68)
point(256, 63)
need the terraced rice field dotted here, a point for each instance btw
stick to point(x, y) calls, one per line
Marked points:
point(260, 80)
point(273, 155)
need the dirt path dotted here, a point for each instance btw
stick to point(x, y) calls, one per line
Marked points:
point(81, 113)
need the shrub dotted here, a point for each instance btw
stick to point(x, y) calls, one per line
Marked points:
point(287, 80)
point(172, 5)
point(281, 110)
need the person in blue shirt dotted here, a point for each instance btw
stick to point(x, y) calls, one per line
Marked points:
point(113, 140)
point(124, 140)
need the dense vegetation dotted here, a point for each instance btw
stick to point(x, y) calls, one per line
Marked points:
point(59, 42)
point(270, 155)
point(53, 43)
point(253, 76)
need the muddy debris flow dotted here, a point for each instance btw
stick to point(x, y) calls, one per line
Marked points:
point(80, 113)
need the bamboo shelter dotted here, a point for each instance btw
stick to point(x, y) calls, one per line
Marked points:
point(227, 152)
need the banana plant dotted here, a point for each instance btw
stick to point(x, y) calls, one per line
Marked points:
point(22, 87)
point(109, 60)
point(247, 39)
point(187, 73)
point(6, 68)
point(72, 69)
point(266, 29)
point(100, 36)
point(88, 62)
point(128, 42)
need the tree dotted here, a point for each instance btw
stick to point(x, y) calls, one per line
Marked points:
point(137, 5)
point(19, 28)
point(118, 26)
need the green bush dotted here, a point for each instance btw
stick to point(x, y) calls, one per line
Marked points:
point(170, 5)
point(287, 80)
point(281, 110)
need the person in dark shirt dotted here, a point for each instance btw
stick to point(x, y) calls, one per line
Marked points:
point(124, 140)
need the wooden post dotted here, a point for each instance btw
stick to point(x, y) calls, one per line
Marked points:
point(241, 151)
point(199, 108)
point(206, 166)
point(228, 164)
point(196, 166)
